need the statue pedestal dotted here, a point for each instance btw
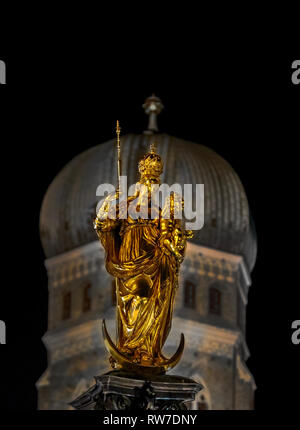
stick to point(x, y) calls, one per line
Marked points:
point(118, 390)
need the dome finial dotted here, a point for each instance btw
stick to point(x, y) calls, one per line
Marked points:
point(152, 107)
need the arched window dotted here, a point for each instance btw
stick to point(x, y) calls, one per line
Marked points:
point(113, 293)
point(87, 300)
point(189, 295)
point(214, 301)
point(201, 403)
point(66, 306)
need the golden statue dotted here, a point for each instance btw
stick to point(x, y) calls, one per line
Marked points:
point(144, 255)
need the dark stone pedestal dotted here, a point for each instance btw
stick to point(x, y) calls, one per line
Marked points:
point(118, 390)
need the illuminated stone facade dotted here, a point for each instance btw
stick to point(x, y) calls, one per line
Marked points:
point(215, 351)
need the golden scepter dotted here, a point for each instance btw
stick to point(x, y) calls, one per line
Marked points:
point(118, 131)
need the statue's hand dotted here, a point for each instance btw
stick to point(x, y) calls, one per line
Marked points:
point(98, 224)
point(104, 224)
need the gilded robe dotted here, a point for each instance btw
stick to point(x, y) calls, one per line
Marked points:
point(144, 257)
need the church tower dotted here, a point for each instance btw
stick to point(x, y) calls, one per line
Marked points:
point(210, 307)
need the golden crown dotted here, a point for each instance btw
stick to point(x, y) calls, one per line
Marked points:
point(151, 165)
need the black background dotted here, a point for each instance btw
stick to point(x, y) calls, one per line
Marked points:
point(232, 93)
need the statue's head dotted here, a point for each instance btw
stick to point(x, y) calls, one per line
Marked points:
point(151, 167)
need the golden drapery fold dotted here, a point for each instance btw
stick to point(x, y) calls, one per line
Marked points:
point(144, 256)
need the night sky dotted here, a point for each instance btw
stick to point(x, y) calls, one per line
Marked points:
point(236, 99)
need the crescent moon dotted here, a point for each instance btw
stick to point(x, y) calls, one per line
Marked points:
point(138, 368)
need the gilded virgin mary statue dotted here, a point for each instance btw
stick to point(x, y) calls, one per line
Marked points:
point(143, 254)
